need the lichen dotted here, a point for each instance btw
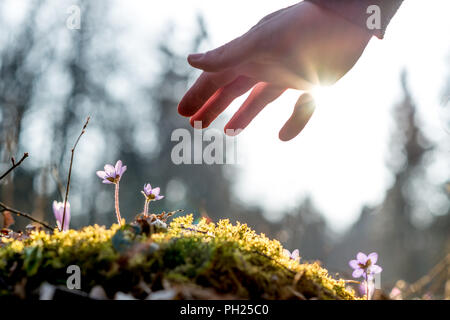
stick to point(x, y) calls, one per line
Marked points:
point(230, 259)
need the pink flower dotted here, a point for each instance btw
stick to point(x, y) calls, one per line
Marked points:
point(152, 194)
point(112, 174)
point(294, 255)
point(365, 265)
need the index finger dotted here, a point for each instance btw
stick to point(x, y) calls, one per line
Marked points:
point(205, 86)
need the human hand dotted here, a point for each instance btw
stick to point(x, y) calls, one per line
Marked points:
point(298, 47)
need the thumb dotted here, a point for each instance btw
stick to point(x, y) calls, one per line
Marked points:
point(303, 111)
point(229, 55)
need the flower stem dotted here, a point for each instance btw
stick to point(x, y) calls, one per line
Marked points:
point(147, 202)
point(116, 198)
point(367, 287)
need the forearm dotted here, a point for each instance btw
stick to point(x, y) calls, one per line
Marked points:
point(356, 11)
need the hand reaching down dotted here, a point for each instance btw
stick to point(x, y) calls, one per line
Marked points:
point(298, 47)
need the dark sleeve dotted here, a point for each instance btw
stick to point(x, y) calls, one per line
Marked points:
point(355, 11)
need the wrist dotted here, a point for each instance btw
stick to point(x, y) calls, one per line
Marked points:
point(372, 16)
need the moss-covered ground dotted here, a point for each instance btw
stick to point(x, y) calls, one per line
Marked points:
point(148, 256)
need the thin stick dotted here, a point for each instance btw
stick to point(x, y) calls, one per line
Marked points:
point(70, 171)
point(116, 202)
point(15, 165)
point(23, 214)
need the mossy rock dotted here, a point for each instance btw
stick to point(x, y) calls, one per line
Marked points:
point(203, 260)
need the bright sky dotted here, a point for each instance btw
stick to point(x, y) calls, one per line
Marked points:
point(339, 159)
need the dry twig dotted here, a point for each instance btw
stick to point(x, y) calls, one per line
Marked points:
point(14, 165)
point(4, 207)
point(442, 266)
point(70, 170)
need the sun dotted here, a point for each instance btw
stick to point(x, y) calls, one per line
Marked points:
point(325, 96)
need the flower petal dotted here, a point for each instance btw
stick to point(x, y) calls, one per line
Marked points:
point(361, 257)
point(357, 273)
point(56, 210)
point(122, 171)
point(110, 170)
point(375, 269)
point(286, 252)
point(118, 167)
point(373, 257)
point(158, 197)
point(55, 205)
point(354, 264)
point(295, 254)
point(101, 174)
point(156, 191)
point(106, 181)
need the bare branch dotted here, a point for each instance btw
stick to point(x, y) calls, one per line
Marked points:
point(14, 164)
point(4, 207)
point(70, 171)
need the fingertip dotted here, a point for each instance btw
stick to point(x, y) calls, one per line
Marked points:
point(191, 122)
point(186, 107)
point(305, 98)
point(302, 113)
point(202, 62)
point(195, 56)
point(286, 135)
point(232, 132)
point(212, 61)
point(289, 131)
point(183, 111)
point(194, 59)
point(283, 136)
point(198, 123)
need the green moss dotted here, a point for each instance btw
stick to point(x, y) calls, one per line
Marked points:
point(231, 259)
